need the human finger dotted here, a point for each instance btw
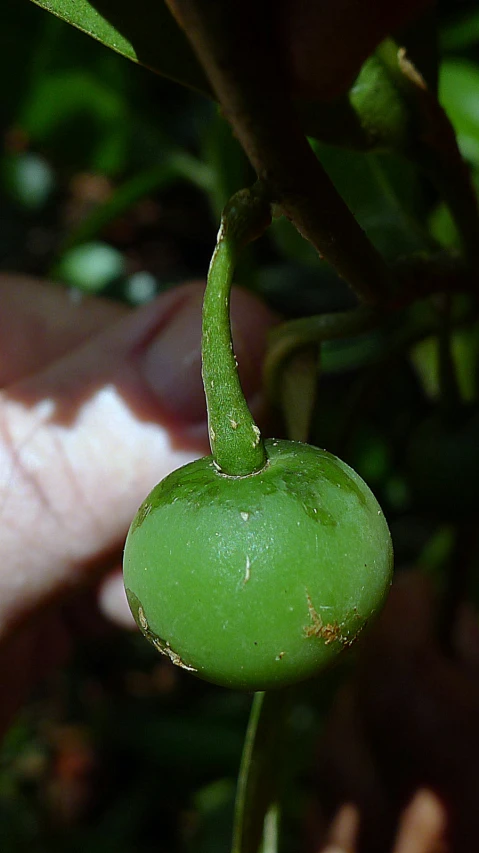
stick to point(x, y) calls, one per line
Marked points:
point(343, 831)
point(41, 321)
point(86, 439)
point(422, 825)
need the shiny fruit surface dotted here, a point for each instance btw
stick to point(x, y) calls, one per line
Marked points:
point(258, 581)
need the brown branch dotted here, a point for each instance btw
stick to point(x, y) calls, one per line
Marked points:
point(235, 43)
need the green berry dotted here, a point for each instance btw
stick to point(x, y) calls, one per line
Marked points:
point(258, 581)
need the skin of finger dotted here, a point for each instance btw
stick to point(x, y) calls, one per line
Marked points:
point(343, 831)
point(422, 825)
point(409, 719)
point(325, 42)
point(345, 772)
point(419, 709)
point(83, 443)
point(41, 321)
point(59, 517)
point(404, 678)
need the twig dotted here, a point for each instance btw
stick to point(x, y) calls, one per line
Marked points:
point(235, 44)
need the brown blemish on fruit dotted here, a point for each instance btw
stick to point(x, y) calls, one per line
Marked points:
point(160, 645)
point(329, 632)
point(165, 649)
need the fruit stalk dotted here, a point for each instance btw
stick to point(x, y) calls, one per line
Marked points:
point(235, 439)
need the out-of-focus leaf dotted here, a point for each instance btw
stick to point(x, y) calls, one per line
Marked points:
point(458, 88)
point(396, 493)
point(371, 116)
point(464, 350)
point(385, 195)
point(460, 34)
point(371, 454)
point(437, 551)
point(230, 168)
point(143, 31)
point(91, 267)
point(29, 179)
point(213, 816)
point(299, 379)
point(443, 227)
point(175, 166)
point(82, 120)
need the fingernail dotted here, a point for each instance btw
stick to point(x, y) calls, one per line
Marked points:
point(172, 362)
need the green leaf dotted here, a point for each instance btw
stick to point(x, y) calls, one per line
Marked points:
point(299, 380)
point(458, 88)
point(385, 195)
point(220, 148)
point(81, 120)
point(460, 34)
point(144, 32)
point(464, 344)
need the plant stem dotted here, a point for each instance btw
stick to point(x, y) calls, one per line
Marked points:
point(416, 278)
point(296, 335)
point(235, 44)
point(235, 440)
point(256, 807)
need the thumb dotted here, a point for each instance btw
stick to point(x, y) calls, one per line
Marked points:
point(82, 442)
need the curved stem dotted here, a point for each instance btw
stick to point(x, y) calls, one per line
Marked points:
point(295, 335)
point(416, 278)
point(235, 440)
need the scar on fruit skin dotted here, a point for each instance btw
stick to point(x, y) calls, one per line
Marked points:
point(161, 645)
point(142, 513)
point(330, 633)
point(247, 570)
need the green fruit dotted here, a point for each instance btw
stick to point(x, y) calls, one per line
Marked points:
point(258, 581)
